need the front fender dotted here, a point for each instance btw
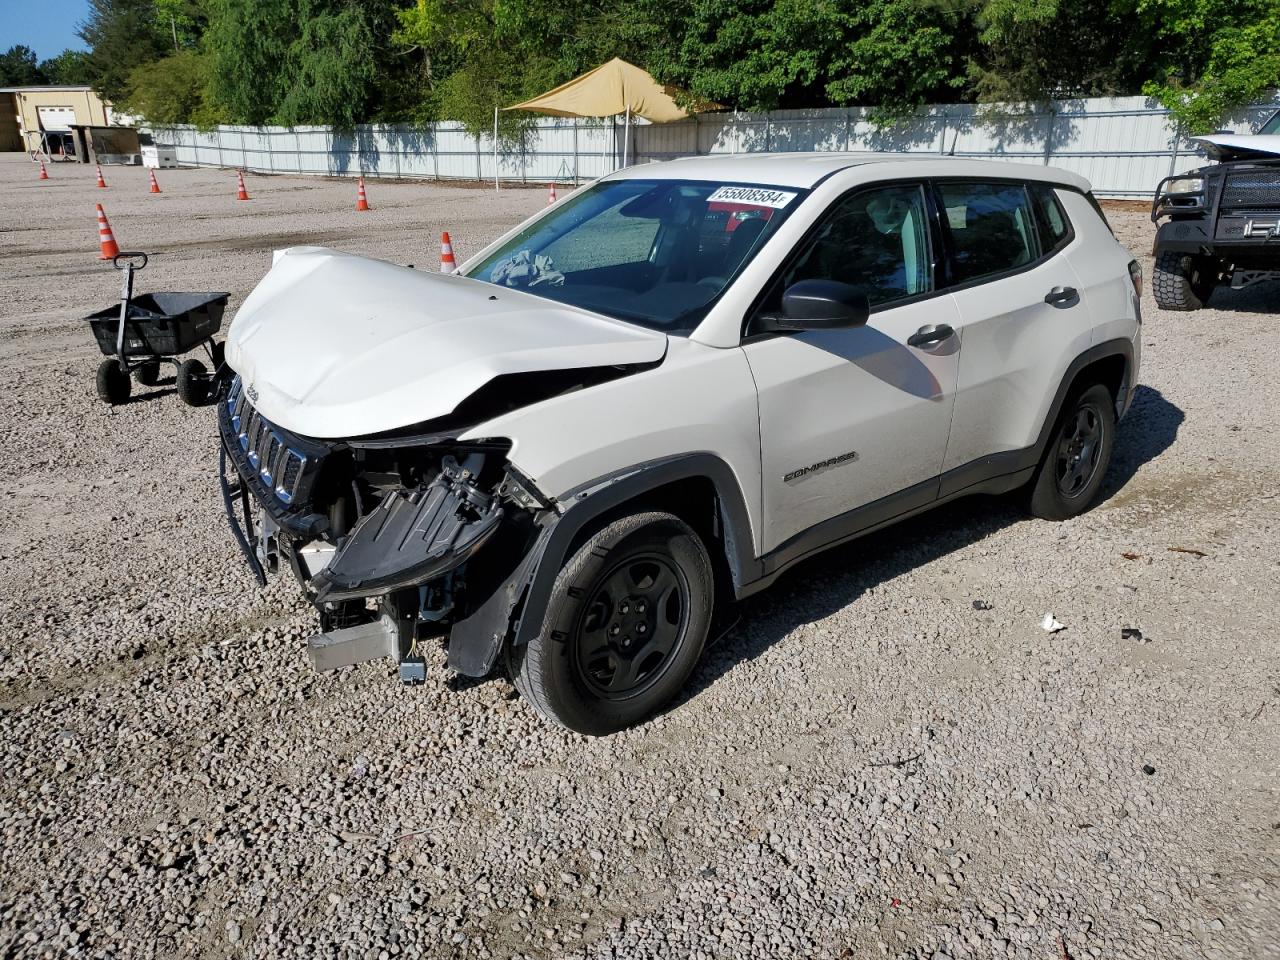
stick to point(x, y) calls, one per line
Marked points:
point(517, 608)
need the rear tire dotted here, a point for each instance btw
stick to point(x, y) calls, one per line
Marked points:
point(193, 385)
point(148, 374)
point(113, 383)
point(1181, 281)
point(1075, 462)
point(627, 620)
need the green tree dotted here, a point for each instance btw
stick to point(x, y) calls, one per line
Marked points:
point(181, 22)
point(1030, 50)
point(121, 34)
point(471, 61)
point(766, 54)
point(249, 43)
point(301, 61)
point(330, 67)
point(1213, 56)
point(69, 68)
point(173, 90)
point(18, 68)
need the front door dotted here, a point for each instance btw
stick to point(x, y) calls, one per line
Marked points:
point(857, 418)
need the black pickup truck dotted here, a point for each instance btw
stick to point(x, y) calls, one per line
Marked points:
point(1221, 222)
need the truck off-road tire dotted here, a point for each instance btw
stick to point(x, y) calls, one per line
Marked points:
point(193, 383)
point(148, 374)
point(1182, 281)
point(113, 383)
point(627, 620)
point(1075, 461)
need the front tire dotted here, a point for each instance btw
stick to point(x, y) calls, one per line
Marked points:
point(1181, 281)
point(627, 621)
point(1076, 460)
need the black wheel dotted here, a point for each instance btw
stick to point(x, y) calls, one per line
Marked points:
point(218, 351)
point(113, 383)
point(148, 374)
point(1181, 281)
point(627, 621)
point(1075, 462)
point(193, 383)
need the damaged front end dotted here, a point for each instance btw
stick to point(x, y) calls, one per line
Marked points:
point(393, 537)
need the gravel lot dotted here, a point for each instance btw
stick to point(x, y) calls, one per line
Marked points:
point(870, 765)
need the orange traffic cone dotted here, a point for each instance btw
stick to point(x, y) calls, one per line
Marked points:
point(242, 193)
point(101, 182)
point(447, 263)
point(44, 174)
point(551, 197)
point(362, 201)
point(106, 239)
point(155, 186)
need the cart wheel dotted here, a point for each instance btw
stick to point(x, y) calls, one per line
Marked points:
point(148, 374)
point(193, 385)
point(219, 353)
point(113, 383)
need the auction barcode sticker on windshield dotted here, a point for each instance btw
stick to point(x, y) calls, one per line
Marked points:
point(757, 196)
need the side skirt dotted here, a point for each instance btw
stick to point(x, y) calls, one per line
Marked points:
point(996, 474)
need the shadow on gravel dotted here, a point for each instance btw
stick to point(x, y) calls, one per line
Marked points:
point(1259, 298)
point(152, 394)
point(833, 580)
point(1149, 429)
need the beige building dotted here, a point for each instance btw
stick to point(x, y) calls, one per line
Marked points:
point(41, 118)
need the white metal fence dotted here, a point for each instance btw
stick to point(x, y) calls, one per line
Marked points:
point(1122, 145)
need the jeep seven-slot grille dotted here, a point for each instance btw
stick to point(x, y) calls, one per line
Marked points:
point(1257, 189)
point(279, 467)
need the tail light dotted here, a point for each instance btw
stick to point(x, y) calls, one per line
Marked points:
point(1135, 274)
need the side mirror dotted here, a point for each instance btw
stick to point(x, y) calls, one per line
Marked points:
point(821, 305)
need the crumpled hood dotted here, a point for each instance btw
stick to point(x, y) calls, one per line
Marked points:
point(334, 345)
point(1240, 146)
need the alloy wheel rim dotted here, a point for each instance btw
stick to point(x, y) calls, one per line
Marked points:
point(632, 626)
point(1079, 451)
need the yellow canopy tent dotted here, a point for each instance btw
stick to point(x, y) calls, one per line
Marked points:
point(613, 88)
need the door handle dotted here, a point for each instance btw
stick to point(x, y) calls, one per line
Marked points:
point(1060, 295)
point(929, 333)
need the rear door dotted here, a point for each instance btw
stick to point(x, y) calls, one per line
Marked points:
point(1022, 313)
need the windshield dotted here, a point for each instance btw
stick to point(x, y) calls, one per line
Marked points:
point(654, 252)
point(1272, 125)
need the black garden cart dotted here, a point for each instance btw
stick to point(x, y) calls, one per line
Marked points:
point(142, 332)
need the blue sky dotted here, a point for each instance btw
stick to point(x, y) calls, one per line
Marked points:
point(46, 26)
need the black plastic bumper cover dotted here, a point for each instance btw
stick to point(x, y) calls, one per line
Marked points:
point(408, 539)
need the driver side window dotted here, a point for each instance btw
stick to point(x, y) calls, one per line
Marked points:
point(876, 240)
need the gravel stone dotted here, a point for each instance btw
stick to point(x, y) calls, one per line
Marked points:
point(178, 783)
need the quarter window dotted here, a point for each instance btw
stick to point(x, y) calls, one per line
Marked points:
point(991, 227)
point(1054, 226)
point(875, 240)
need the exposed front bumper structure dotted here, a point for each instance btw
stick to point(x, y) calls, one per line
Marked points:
point(403, 561)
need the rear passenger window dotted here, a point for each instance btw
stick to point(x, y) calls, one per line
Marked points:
point(991, 227)
point(1054, 226)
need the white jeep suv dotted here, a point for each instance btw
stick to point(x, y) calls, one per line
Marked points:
point(659, 394)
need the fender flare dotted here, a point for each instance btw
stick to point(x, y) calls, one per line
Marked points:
point(517, 608)
point(1119, 347)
